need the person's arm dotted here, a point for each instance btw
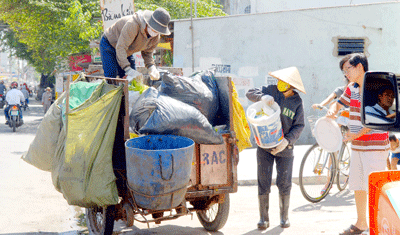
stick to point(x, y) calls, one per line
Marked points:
point(128, 34)
point(393, 115)
point(254, 94)
point(351, 136)
point(297, 126)
point(148, 53)
point(325, 102)
point(334, 109)
point(344, 100)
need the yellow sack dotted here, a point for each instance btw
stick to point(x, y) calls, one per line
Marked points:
point(240, 124)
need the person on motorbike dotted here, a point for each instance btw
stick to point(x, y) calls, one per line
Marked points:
point(2, 87)
point(13, 97)
point(2, 91)
point(25, 91)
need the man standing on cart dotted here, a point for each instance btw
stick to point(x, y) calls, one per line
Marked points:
point(138, 32)
point(292, 119)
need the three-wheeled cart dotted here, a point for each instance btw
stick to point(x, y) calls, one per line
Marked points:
point(213, 175)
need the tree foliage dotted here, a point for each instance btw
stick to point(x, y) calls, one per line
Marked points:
point(180, 9)
point(47, 32)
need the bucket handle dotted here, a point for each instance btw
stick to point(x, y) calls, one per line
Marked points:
point(161, 168)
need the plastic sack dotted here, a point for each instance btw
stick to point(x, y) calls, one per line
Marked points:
point(83, 170)
point(199, 90)
point(155, 113)
point(141, 110)
point(240, 124)
point(42, 149)
point(135, 90)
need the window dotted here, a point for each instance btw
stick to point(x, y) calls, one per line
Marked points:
point(348, 46)
point(247, 10)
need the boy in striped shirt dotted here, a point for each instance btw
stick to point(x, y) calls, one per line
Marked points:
point(369, 147)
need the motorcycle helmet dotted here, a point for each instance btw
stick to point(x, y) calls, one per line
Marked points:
point(14, 85)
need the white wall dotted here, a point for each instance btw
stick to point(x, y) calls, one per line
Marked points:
point(260, 6)
point(249, 46)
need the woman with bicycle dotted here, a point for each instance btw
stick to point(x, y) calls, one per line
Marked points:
point(292, 119)
point(342, 120)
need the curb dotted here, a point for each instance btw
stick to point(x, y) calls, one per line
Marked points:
point(254, 182)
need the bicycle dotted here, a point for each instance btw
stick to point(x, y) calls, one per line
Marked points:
point(319, 168)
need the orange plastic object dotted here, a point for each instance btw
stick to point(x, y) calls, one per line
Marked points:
point(383, 218)
point(345, 113)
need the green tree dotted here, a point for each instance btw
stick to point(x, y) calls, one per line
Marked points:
point(180, 9)
point(47, 32)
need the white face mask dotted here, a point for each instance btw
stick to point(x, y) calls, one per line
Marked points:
point(152, 32)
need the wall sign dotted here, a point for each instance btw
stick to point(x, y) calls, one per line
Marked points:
point(113, 10)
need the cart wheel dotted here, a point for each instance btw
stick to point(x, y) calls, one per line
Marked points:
point(128, 210)
point(216, 216)
point(100, 220)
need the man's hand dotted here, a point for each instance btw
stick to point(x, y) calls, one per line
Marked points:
point(132, 74)
point(268, 100)
point(280, 147)
point(153, 72)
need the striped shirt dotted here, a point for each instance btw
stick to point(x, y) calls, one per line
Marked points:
point(374, 140)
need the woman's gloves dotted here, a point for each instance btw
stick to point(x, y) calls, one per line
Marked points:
point(132, 74)
point(268, 100)
point(280, 147)
point(153, 72)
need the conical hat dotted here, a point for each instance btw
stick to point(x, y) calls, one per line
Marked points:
point(291, 76)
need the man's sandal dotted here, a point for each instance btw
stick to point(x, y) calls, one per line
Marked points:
point(352, 230)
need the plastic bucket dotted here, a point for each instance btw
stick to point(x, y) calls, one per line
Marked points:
point(158, 170)
point(267, 130)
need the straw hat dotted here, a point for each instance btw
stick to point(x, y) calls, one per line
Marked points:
point(48, 89)
point(158, 20)
point(291, 76)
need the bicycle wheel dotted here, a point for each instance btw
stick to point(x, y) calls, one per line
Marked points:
point(343, 167)
point(317, 173)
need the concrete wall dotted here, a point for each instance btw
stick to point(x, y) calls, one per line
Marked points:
point(247, 47)
point(259, 6)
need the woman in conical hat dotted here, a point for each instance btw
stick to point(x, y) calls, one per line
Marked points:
point(292, 119)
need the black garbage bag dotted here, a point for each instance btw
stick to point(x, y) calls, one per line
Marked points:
point(143, 108)
point(199, 90)
point(156, 113)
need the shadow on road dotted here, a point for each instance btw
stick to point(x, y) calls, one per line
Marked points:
point(164, 230)
point(44, 233)
point(276, 230)
point(344, 198)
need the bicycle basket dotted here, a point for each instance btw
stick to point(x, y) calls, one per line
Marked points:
point(312, 120)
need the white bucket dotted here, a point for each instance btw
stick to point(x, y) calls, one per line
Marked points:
point(267, 130)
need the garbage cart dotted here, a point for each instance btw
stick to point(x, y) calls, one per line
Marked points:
point(206, 186)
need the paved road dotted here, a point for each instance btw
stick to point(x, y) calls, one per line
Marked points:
point(30, 204)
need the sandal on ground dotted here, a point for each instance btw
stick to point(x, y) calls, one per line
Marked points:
point(352, 230)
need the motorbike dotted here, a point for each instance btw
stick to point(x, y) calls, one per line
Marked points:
point(2, 101)
point(14, 114)
point(25, 105)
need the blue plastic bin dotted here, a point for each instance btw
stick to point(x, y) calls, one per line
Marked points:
point(158, 170)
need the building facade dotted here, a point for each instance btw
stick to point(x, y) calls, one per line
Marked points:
point(247, 47)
